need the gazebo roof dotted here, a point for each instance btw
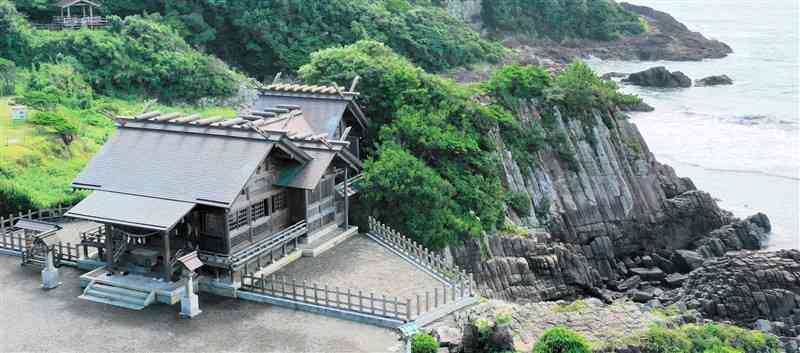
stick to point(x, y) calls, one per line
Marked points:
point(68, 3)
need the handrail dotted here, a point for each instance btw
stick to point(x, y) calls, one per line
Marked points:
point(243, 256)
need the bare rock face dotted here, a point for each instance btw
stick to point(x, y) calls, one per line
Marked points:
point(659, 77)
point(616, 189)
point(748, 286)
point(527, 269)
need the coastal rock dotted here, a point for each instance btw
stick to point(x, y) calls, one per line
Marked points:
point(687, 260)
point(613, 75)
point(714, 81)
point(748, 286)
point(649, 274)
point(639, 107)
point(659, 77)
point(527, 269)
point(675, 280)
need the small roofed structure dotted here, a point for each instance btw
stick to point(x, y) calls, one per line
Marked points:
point(40, 241)
point(75, 14)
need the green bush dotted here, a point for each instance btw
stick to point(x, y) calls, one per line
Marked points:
point(65, 127)
point(51, 84)
point(424, 343)
point(663, 340)
point(578, 89)
point(561, 340)
point(520, 203)
point(512, 82)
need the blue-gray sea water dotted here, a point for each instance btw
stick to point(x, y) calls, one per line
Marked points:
point(741, 142)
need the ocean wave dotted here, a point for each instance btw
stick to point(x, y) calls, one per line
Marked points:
point(734, 170)
point(758, 119)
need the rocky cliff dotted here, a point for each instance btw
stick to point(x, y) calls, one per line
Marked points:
point(611, 217)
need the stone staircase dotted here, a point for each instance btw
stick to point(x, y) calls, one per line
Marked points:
point(118, 296)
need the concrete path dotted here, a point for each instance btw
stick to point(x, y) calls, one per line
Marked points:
point(360, 263)
point(56, 320)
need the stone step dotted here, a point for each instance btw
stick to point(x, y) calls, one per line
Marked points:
point(104, 288)
point(117, 296)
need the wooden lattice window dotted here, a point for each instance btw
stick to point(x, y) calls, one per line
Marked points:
point(278, 202)
point(260, 209)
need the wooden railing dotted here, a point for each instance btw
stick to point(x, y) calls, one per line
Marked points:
point(354, 300)
point(420, 255)
point(253, 252)
point(15, 240)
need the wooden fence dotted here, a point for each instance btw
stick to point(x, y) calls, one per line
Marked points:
point(353, 300)
point(420, 255)
point(15, 241)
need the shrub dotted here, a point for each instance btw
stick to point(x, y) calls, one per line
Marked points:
point(52, 84)
point(520, 203)
point(65, 127)
point(511, 83)
point(561, 340)
point(709, 336)
point(579, 89)
point(662, 340)
point(424, 343)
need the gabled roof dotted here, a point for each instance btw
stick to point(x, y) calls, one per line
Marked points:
point(68, 3)
point(323, 107)
point(190, 167)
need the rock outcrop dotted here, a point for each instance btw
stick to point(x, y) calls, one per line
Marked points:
point(527, 269)
point(659, 77)
point(615, 218)
point(745, 287)
point(714, 81)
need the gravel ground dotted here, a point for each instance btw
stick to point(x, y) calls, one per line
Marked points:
point(360, 263)
point(56, 320)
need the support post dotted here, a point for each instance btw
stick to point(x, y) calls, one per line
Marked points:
point(167, 263)
point(109, 247)
point(346, 200)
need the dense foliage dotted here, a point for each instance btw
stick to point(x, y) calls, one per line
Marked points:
point(561, 340)
point(708, 338)
point(263, 37)
point(561, 19)
point(424, 343)
point(433, 153)
point(8, 75)
point(137, 56)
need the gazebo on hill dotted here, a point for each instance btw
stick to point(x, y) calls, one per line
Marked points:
point(76, 14)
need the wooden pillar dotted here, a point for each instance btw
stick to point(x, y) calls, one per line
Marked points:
point(109, 229)
point(68, 15)
point(346, 200)
point(91, 11)
point(166, 255)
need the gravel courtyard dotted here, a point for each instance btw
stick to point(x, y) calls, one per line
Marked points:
point(56, 320)
point(359, 263)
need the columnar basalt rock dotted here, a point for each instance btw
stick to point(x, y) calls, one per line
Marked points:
point(745, 287)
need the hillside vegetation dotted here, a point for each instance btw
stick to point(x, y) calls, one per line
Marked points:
point(138, 56)
point(561, 19)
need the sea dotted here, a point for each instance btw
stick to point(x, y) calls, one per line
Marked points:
point(741, 143)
